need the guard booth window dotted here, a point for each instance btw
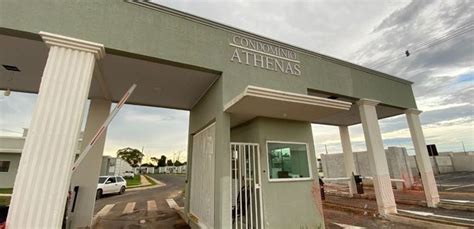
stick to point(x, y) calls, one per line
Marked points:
point(288, 161)
point(4, 166)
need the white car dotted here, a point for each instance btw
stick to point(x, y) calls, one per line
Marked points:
point(110, 184)
point(129, 174)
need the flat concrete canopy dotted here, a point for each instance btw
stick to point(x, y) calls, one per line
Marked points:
point(263, 102)
point(158, 84)
point(351, 116)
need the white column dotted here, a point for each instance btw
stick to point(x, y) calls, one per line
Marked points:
point(44, 173)
point(422, 158)
point(377, 158)
point(87, 173)
point(348, 157)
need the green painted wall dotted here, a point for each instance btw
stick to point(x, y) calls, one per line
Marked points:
point(7, 179)
point(286, 204)
point(206, 111)
point(127, 28)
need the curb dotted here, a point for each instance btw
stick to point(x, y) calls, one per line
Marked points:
point(157, 185)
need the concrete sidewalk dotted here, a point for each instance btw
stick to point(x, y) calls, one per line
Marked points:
point(145, 184)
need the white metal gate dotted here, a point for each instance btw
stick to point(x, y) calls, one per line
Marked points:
point(247, 209)
point(202, 177)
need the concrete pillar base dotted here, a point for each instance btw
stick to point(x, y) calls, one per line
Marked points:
point(384, 194)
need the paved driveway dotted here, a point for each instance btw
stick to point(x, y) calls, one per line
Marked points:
point(143, 209)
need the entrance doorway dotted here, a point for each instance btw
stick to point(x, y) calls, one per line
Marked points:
point(247, 211)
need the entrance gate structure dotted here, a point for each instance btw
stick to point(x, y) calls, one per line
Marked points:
point(253, 88)
point(247, 210)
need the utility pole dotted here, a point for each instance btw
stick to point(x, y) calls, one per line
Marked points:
point(326, 147)
point(464, 148)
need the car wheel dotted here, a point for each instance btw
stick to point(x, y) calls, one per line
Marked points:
point(98, 194)
point(122, 190)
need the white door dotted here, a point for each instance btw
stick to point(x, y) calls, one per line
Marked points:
point(110, 185)
point(201, 203)
point(247, 209)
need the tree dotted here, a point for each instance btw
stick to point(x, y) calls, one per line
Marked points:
point(169, 162)
point(155, 160)
point(148, 165)
point(132, 156)
point(177, 163)
point(162, 161)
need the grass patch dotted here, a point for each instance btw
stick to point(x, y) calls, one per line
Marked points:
point(6, 190)
point(5, 200)
point(136, 180)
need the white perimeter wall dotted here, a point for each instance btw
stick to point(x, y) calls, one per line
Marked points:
point(397, 159)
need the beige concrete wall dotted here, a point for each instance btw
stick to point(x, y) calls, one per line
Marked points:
point(463, 162)
point(443, 164)
point(455, 162)
point(397, 159)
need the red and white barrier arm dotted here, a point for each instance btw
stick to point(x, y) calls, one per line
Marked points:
point(103, 127)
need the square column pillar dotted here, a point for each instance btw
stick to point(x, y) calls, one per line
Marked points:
point(348, 157)
point(44, 173)
point(87, 173)
point(222, 174)
point(377, 158)
point(422, 159)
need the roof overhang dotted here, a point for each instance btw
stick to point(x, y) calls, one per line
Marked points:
point(159, 83)
point(263, 102)
point(12, 151)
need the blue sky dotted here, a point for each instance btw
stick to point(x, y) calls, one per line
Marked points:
point(366, 32)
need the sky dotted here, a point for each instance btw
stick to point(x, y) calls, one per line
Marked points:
point(438, 34)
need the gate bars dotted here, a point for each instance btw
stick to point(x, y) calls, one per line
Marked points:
point(246, 193)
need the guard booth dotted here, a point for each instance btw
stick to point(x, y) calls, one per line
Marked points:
point(251, 103)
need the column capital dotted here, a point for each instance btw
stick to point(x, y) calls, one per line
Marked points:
point(369, 102)
point(52, 39)
point(413, 111)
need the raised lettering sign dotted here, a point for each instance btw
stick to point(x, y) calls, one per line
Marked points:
point(259, 54)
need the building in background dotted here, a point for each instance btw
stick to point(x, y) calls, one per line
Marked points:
point(172, 169)
point(10, 154)
point(114, 166)
point(144, 169)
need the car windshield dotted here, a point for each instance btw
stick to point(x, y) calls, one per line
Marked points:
point(102, 180)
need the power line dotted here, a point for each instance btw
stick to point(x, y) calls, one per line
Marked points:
point(447, 36)
point(427, 44)
point(467, 25)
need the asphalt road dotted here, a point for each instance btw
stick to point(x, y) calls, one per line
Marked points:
point(456, 182)
point(144, 208)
